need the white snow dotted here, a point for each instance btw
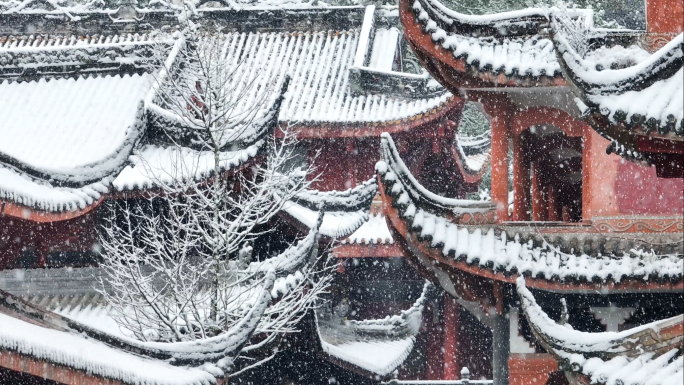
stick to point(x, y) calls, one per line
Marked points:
point(524, 56)
point(373, 231)
point(153, 164)
point(659, 101)
point(335, 224)
point(380, 357)
point(71, 126)
point(585, 68)
point(20, 189)
point(364, 36)
point(92, 356)
point(575, 346)
point(384, 49)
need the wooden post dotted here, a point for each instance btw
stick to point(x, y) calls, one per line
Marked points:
point(539, 201)
point(521, 182)
point(451, 327)
point(553, 203)
point(501, 348)
point(500, 116)
point(351, 163)
point(42, 252)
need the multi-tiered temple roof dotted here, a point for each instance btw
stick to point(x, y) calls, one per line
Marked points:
point(629, 95)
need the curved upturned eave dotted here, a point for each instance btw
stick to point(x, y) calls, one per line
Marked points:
point(33, 214)
point(318, 130)
point(469, 176)
point(439, 62)
point(434, 257)
point(16, 210)
point(663, 65)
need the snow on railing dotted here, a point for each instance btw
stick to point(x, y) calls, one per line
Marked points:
point(465, 380)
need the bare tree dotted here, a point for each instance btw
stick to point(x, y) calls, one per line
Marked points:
point(178, 265)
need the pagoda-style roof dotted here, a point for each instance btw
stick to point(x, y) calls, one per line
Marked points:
point(505, 49)
point(628, 95)
point(31, 336)
point(68, 146)
point(372, 347)
point(452, 236)
point(631, 97)
point(344, 211)
point(647, 354)
point(56, 315)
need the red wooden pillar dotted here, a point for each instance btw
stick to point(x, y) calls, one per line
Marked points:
point(498, 109)
point(451, 328)
point(434, 369)
point(539, 201)
point(351, 181)
point(42, 251)
point(521, 182)
point(553, 203)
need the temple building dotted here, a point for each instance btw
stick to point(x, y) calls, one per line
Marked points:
point(583, 230)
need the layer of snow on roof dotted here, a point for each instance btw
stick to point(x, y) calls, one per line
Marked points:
point(25, 191)
point(659, 101)
point(43, 43)
point(379, 357)
point(318, 64)
point(375, 230)
point(94, 315)
point(92, 356)
point(586, 67)
point(475, 162)
point(644, 369)
point(335, 224)
point(154, 164)
point(525, 56)
point(62, 124)
point(384, 49)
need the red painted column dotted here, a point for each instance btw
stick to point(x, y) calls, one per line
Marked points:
point(451, 328)
point(521, 182)
point(539, 201)
point(434, 368)
point(553, 203)
point(498, 109)
point(42, 251)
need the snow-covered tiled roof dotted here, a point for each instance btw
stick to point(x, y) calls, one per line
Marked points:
point(373, 231)
point(507, 43)
point(319, 63)
point(345, 211)
point(67, 145)
point(649, 354)
point(377, 346)
point(92, 356)
point(636, 89)
point(71, 130)
point(46, 337)
point(463, 231)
